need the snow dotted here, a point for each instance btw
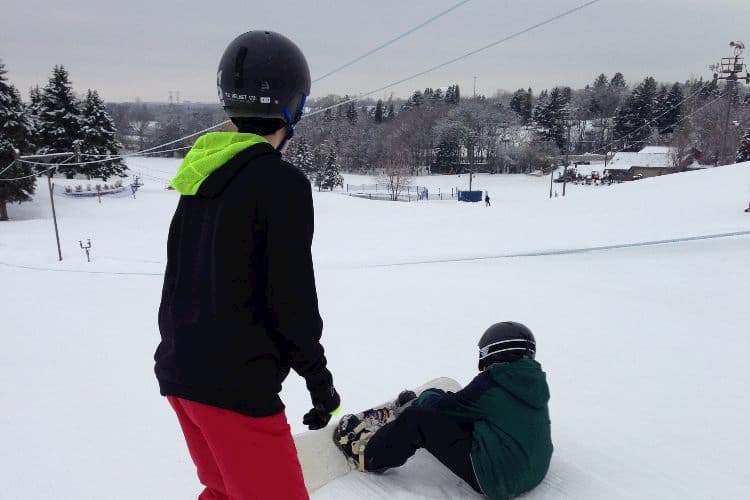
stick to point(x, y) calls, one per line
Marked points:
point(650, 156)
point(645, 347)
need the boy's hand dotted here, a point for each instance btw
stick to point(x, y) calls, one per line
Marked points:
point(324, 407)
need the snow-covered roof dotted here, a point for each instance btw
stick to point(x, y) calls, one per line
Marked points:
point(656, 150)
point(648, 157)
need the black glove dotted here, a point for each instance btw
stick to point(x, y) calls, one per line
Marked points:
point(325, 405)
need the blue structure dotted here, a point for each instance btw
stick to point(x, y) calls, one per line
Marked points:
point(472, 196)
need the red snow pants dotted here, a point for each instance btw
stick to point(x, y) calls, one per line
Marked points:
point(240, 457)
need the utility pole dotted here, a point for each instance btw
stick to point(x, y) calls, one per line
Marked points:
point(728, 69)
point(54, 214)
point(551, 180)
point(569, 122)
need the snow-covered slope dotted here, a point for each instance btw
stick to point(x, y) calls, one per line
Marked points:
point(645, 347)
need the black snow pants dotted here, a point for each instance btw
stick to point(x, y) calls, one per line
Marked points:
point(420, 427)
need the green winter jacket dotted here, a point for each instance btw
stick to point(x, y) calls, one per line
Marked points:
point(507, 406)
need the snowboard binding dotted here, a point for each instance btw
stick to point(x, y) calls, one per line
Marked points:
point(351, 436)
point(354, 431)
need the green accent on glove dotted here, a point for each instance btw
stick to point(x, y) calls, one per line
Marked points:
point(336, 411)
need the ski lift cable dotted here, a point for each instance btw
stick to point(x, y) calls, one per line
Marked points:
point(392, 40)
point(461, 57)
point(366, 94)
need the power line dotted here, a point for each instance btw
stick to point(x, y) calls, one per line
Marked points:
point(49, 155)
point(8, 167)
point(459, 58)
point(392, 40)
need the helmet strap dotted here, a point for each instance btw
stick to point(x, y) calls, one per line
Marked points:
point(291, 122)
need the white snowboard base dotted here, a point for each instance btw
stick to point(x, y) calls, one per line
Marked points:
point(322, 461)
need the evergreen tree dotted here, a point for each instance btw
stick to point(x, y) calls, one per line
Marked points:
point(437, 96)
point(743, 153)
point(417, 98)
point(601, 82)
point(597, 94)
point(660, 107)
point(633, 117)
point(540, 108)
point(329, 177)
point(618, 82)
point(351, 113)
point(59, 119)
point(302, 157)
point(453, 94)
point(668, 108)
point(14, 138)
point(552, 112)
point(391, 111)
point(379, 111)
point(33, 111)
point(98, 138)
point(521, 103)
point(446, 155)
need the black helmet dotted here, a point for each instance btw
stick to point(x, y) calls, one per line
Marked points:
point(504, 342)
point(263, 74)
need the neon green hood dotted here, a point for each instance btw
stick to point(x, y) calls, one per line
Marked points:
point(209, 153)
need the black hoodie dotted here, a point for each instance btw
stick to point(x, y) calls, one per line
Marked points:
point(239, 306)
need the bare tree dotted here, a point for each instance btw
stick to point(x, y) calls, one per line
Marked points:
point(397, 179)
point(141, 119)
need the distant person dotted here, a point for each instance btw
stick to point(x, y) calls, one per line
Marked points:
point(748, 208)
point(487, 199)
point(239, 308)
point(494, 434)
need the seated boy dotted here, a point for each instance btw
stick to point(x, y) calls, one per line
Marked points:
point(494, 434)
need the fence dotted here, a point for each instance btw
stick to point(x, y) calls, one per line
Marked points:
point(409, 193)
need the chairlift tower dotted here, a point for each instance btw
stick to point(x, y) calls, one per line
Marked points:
point(730, 69)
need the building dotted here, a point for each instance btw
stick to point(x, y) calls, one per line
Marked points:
point(650, 161)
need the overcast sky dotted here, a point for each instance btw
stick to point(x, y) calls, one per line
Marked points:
point(143, 49)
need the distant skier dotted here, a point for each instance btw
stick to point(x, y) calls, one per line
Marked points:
point(494, 434)
point(748, 208)
point(487, 199)
point(239, 307)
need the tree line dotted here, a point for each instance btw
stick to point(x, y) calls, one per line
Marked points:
point(435, 130)
point(54, 121)
point(439, 131)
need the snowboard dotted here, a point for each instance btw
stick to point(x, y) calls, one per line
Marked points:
point(322, 461)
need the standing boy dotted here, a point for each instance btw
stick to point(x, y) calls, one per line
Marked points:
point(239, 307)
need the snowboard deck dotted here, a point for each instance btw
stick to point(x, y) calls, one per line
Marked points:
point(322, 461)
